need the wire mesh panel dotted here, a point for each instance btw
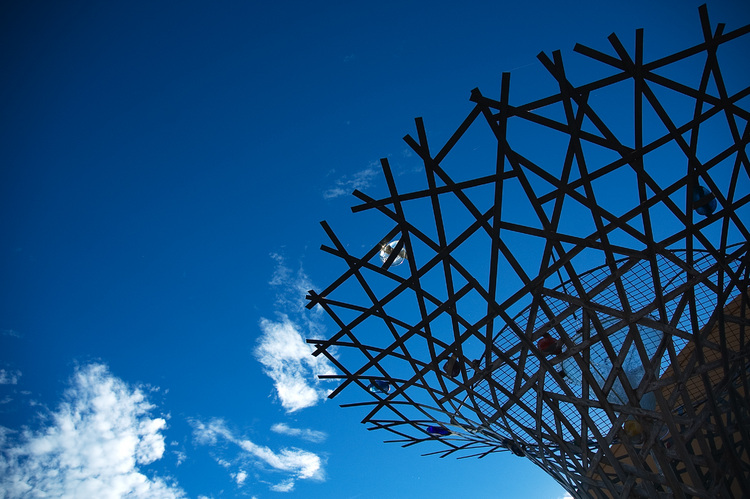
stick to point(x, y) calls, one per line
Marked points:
point(579, 300)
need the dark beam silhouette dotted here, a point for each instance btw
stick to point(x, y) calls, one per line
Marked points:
point(582, 299)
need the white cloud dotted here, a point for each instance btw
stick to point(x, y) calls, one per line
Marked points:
point(286, 357)
point(10, 332)
point(93, 446)
point(288, 361)
point(299, 464)
point(291, 287)
point(8, 377)
point(303, 433)
point(285, 486)
point(240, 477)
point(360, 180)
point(181, 456)
point(282, 273)
point(208, 434)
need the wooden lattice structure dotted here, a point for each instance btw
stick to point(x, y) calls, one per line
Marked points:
point(582, 303)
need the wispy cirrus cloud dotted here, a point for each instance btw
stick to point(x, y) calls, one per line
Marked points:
point(9, 376)
point(286, 357)
point(11, 332)
point(93, 445)
point(303, 433)
point(285, 486)
point(296, 463)
point(348, 183)
point(291, 287)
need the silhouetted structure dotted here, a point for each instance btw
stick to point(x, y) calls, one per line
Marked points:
point(583, 302)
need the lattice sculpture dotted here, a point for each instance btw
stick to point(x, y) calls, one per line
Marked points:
point(583, 302)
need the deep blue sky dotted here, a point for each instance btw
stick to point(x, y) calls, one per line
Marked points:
point(164, 167)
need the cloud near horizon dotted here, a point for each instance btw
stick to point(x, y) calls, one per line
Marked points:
point(93, 446)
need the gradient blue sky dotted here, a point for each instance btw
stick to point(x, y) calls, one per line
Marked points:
point(164, 167)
